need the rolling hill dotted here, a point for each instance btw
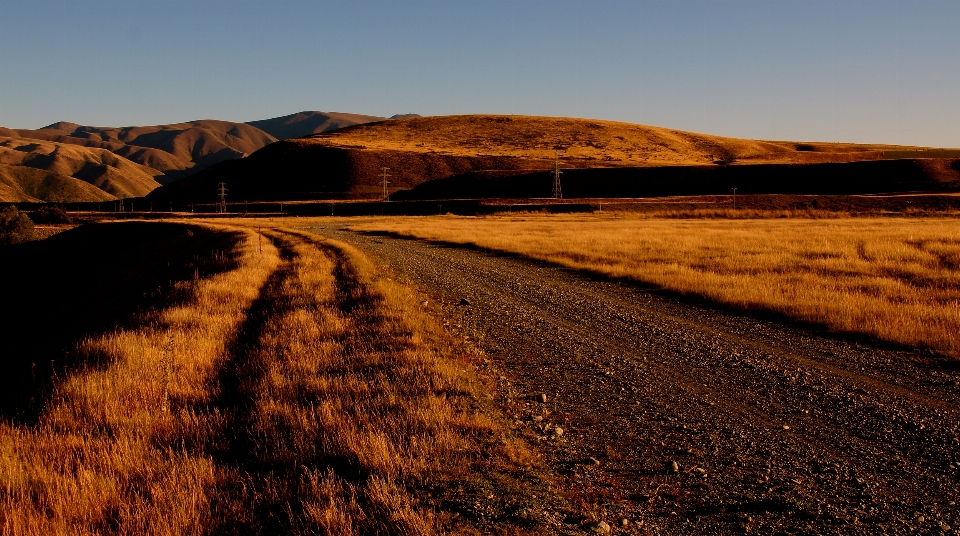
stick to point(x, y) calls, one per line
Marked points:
point(346, 163)
point(308, 123)
point(167, 153)
point(174, 150)
point(584, 142)
point(27, 184)
point(37, 170)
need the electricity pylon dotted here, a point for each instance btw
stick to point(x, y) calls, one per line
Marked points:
point(557, 193)
point(222, 205)
point(386, 194)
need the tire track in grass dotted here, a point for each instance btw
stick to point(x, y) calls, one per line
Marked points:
point(266, 474)
point(236, 400)
point(342, 415)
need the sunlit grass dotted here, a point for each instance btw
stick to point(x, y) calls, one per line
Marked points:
point(896, 279)
point(348, 411)
point(109, 453)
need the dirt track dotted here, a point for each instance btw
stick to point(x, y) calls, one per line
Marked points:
point(774, 428)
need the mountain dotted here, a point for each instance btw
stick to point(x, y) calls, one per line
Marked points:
point(166, 153)
point(38, 170)
point(27, 184)
point(347, 163)
point(308, 123)
point(175, 150)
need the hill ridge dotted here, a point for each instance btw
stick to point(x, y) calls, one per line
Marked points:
point(310, 122)
point(346, 163)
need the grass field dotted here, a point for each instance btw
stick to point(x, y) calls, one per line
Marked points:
point(302, 392)
point(896, 279)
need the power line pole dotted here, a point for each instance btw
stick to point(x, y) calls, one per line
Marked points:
point(734, 198)
point(222, 205)
point(386, 194)
point(557, 194)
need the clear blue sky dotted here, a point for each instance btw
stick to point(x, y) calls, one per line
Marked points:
point(868, 71)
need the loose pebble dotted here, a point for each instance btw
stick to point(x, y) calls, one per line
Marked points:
point(597, 527)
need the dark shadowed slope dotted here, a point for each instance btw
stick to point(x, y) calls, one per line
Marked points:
point(868, 177)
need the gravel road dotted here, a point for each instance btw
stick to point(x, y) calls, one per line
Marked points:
point(677, 417)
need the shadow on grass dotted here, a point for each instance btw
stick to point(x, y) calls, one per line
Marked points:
point(263, 496)
point(85, 282)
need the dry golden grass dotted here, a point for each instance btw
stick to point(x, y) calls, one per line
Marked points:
point(358, 408)
point(585, 141)
point(300, 393)
point(894, 278)
point(108, 454)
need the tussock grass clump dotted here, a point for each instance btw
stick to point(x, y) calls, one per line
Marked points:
point(896, 279)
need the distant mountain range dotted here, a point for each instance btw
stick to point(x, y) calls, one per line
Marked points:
point(71, 162)
point(332, 155)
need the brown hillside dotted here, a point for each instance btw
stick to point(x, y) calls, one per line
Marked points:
point(175, 151)
point(308, 123)
point(346, 163)
point(63, 126)
point(112, 174)
point(27, 184)
point(203, 142)
point(168, 166)
point(583, 142)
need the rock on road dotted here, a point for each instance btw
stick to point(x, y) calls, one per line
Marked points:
point(684, 418)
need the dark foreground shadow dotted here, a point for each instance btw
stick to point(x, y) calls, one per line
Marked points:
point(82, 283)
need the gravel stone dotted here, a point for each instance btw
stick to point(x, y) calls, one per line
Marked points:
point(597, 527)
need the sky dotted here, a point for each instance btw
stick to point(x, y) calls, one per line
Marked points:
point(866, 71)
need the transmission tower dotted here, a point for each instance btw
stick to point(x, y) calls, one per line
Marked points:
point(557, 194)
point(222, 205)
point(386, 194)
